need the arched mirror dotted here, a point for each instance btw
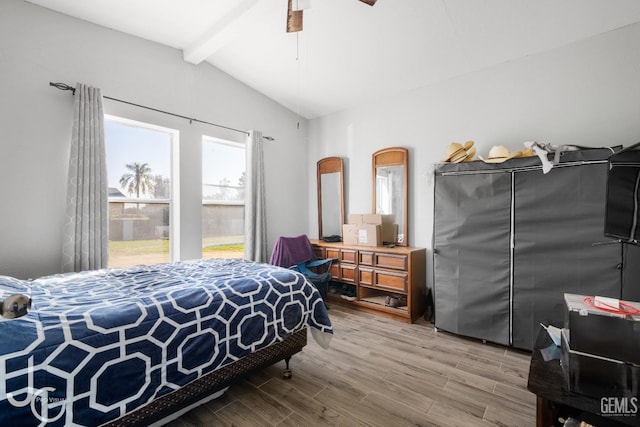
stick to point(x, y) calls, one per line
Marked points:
point(390, 193)
point(330, 197)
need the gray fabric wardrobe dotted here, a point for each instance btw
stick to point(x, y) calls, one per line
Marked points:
point(509, 241)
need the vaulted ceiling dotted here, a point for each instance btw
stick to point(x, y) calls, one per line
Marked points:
point(349, 53)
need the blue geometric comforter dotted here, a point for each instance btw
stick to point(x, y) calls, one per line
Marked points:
point(97, 345)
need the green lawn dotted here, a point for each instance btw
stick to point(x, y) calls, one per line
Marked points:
point(136, 247)
point(225, 248)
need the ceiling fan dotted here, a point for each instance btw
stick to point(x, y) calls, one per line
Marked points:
point(294, 17)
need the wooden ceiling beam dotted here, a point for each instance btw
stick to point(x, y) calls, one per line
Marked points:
point(222, 31)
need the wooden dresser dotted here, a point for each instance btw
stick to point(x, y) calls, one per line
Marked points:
point(376, 273)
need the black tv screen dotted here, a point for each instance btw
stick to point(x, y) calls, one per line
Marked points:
point(622, 215)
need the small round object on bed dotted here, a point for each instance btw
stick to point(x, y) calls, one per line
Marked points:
point(15, 306)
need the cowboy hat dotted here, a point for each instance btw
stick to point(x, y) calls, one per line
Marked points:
point(456, 152)
point(453, 150)
point(527, 152)
point(499, 154)
point(471, 151)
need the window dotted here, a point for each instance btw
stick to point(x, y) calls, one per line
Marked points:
point(140, 161)
point(223, 175)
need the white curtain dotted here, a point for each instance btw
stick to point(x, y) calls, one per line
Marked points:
point(85, 245)
point(255, 222)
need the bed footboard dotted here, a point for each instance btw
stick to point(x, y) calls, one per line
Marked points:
point(199, 389)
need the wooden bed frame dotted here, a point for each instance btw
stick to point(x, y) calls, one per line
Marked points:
point(168, 405)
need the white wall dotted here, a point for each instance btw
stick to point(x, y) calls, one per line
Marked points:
point(586, 93)
point(38, 46)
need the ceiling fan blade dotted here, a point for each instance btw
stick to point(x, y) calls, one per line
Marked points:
point(294, 19)
point(369, 2)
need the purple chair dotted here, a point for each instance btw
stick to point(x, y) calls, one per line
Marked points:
point(297, 254)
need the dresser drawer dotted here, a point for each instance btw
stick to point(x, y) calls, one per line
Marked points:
point(393, 280)
point(365, 258)
point(332, 253)
point(365, 276)
point(348, 255)
point(335, 270)
point(397, 262)
point(348, 273)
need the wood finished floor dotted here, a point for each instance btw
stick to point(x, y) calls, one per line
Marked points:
point(381, 372)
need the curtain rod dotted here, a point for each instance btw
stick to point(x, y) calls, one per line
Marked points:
point(64, 86)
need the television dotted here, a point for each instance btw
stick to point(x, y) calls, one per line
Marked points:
point(622, 205)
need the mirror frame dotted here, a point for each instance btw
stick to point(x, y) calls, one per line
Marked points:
point(393, 156)
point(330, 165)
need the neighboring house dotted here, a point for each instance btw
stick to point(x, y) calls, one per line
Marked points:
point(115, 208)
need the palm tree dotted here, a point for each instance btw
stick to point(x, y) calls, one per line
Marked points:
point(161, 187)
point(138, 181)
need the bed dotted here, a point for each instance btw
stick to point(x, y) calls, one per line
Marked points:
point(141, 345)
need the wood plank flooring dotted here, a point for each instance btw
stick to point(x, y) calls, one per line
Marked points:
point(381, 372)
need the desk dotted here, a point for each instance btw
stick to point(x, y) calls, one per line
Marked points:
point(555, 400)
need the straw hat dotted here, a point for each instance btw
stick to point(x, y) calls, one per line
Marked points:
point(471, 151)
point(527, 152)
point(499, 154)
point(453, 150)
point(456, 152)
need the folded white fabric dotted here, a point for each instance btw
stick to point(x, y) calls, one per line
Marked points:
point(541, 152)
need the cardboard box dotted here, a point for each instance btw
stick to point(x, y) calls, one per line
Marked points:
point(362, 234)
point(370, 235)
point(354, 219)
point(364, 219)
point(388, 230)
point(350, 234)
